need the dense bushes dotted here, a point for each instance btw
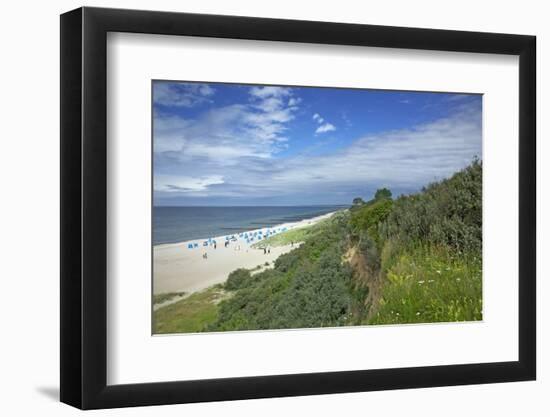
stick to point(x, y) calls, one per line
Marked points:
point(432, 253)
point(308, 287)
point(446, 213)
point(238, 279)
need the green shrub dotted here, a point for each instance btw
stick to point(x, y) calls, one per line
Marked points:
point(238, 279)
point(445, 213)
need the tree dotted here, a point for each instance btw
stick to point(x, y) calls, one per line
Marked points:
point(382, 193)
point(357, 201)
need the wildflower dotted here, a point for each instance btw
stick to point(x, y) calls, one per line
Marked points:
point(418, 313)
point(438, 271)
point(421, 282)
point(458, 279)
point(430, 280)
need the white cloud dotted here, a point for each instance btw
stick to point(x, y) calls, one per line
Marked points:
point(317, 117)
point(181, 94)
point(268, 91)
point(238, 136)
point(323, 128)
point(327, 127)
point(183, 184)
point(294, 101)
point(405, 159)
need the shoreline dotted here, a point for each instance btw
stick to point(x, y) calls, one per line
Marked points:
point(277, 226)
point(177, 267)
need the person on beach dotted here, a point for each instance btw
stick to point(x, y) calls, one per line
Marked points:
point(205, 255)
point(264, 251)
point(269, 250)
point(215, 246)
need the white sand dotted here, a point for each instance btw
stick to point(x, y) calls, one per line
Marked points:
point(177, 268)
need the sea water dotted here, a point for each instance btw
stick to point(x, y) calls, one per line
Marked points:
point(179, 224)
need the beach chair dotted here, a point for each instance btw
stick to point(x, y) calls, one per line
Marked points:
point(190, 246)
point(195, 245)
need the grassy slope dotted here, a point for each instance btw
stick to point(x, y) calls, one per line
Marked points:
point(191, 314)
point(161, 298)
point(294, 235)
point(428, 285)
point(431, 258)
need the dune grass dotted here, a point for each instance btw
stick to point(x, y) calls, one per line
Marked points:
point(429, 285)
point(191, 314)
point(161, 298)
point(298, 235)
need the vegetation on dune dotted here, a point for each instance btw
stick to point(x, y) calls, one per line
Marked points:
point(308, 287)
point(428, 285)
point(415, 259)
point(431, 258)
point(161, 298)
point(190, 315)
point(300, 234)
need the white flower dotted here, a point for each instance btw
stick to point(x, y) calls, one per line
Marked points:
point(421, 282)
point(418, 313)
point(438, 271)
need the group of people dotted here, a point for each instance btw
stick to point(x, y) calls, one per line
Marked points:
point(266, 249)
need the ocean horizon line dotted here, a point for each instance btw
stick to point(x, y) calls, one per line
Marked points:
point(237, 231)
point(261, 205)
point(173, 224)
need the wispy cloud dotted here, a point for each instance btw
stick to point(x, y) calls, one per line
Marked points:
point(402, 159)
point(181, 94)
point(323, 127)
point(183, 183)
point(232, 138)
point(346, 119)
point(327, 127)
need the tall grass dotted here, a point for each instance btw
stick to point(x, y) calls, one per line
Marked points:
point(431, 253)
point(190, 315)
point(431, 284)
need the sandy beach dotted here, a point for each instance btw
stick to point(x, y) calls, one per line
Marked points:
point(177, 268)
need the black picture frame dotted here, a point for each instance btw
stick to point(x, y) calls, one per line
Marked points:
point(84, 207)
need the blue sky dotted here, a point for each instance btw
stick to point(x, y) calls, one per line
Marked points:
point(234, 144)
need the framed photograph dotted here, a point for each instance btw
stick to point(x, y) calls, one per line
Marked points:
point(256, 208)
